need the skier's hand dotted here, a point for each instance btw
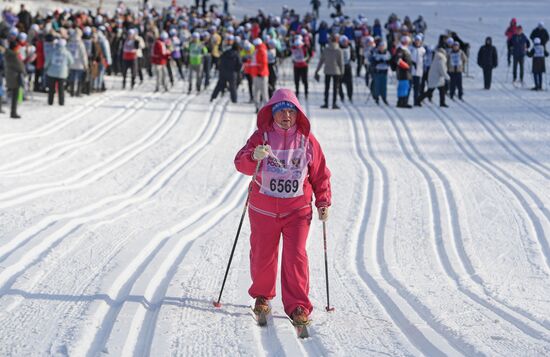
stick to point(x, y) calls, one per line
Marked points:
point(316, 77)
point(260, 152)
point(323, 213)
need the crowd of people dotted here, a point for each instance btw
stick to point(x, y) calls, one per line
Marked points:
point(66, 50)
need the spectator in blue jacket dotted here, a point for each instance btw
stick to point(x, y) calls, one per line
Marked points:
point(57, 70)
point(323, 33)
point(520, 45)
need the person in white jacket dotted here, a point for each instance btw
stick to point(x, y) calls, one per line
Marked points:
point(80, 61)
point(417, 56)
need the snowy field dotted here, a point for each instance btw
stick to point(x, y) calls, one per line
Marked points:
point(118, 213)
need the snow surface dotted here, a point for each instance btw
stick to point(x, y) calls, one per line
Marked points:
point(118, 213)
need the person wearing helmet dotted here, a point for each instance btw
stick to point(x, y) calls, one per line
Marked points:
point(197, 51)
point(539, 54)
point(300, 60)
point(159, 58)
point(347, 78)
point(289, 168)
point(57, 70)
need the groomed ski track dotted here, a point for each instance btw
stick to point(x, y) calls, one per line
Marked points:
point(118, 213)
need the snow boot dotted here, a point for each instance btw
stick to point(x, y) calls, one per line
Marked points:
point(261, 306)
point(299, 317)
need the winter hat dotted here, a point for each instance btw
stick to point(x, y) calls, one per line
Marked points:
point(87, 30)
point(230, 38)
point(62, 42)
point(281, 106)
point(196, 35)
point(257, 41)
point(343, 39)
point(230, 29)
point(450, 41)
point(272, 42)
point(164, 36)
point(304, 32)
point(132, 32)
point(405, 39)
point(14, 31)
point(247, 45)
point(536, 41)
point(456, 43)
point(298, 42)
point(541, 23)
point(418, 38)
point(22, 36)
point(248, 26)
point(173, 32)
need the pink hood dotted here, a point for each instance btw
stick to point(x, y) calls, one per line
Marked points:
point(265, 118)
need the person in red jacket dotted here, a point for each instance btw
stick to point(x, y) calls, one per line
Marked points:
point(510, 31)
point(159, 59)
point(39, 85)
point(129, 57)
point(290, 167)
point(260, 74)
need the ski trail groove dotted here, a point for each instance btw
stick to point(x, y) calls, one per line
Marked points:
point(482, 162)
point(535, 109)
point(47, 155)
point(154, 136)
point(99, 170)
point(458, 258)
point(106, 314)
point(427, 342)
point(58, 124)
point(145, 188)
point(505, 142)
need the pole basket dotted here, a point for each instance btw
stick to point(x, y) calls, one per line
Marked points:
point(329, 309)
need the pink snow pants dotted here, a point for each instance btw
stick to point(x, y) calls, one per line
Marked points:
point(264, 248)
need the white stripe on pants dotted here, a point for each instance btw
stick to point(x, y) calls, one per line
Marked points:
point(160, 74)
point(260, 91)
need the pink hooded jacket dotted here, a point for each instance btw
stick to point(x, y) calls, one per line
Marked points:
point(318, 179)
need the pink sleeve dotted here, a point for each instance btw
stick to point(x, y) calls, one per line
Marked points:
point(243, 160)
point(319, 175)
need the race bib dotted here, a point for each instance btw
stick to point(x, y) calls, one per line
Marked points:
point(456, 61)
point(57, 59)
point(283, 175)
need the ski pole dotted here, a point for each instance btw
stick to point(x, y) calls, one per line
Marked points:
point(217, 303)
point(328, 308)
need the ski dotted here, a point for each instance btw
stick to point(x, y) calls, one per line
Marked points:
point(301, 329)
point(261, 317)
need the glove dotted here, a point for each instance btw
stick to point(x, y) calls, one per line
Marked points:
point(323, 213)
point(260, 152)
point(316, 77)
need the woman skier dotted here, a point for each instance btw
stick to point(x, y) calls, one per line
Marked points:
point(290, 168)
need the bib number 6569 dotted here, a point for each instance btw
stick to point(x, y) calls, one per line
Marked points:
point(281, 186)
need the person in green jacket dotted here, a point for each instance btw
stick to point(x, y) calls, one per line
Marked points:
point(197, 50)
